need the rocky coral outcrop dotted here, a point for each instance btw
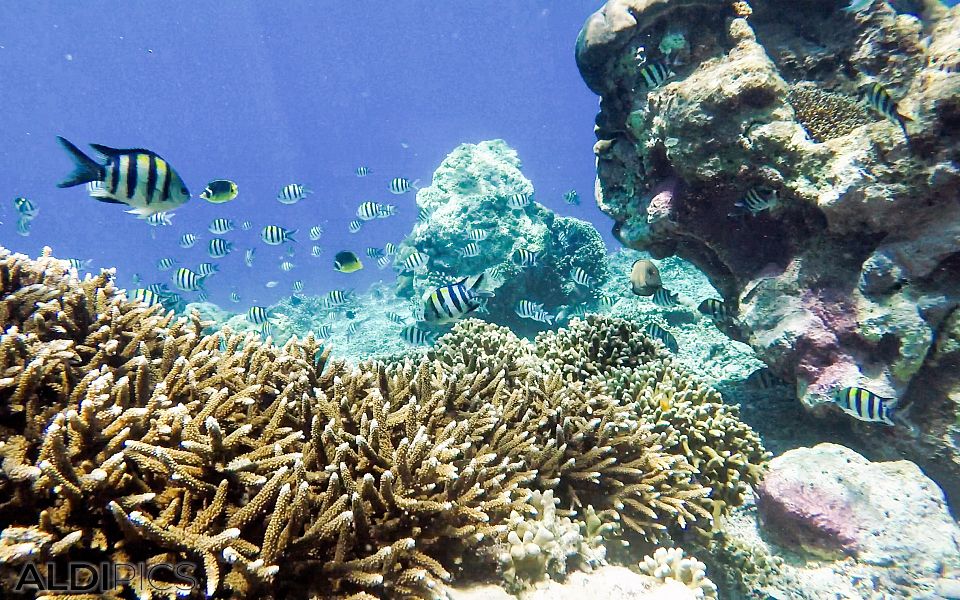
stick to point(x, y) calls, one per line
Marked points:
point(471, 191)
point(853, 277)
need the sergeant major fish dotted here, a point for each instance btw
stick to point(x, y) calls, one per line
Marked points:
point(402, 185)
point(292, 193)
point(865, 405)
point(449, 303)
point(139, 178)
point(880, 100)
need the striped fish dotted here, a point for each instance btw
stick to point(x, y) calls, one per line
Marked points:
point(764, 379)
point(519, 201)
point(221, 226)
point(402, 185)
point(202, 296)
point(881, 101)
point(384, 261)
point(315, 232)
point(478, 235)
point(187, 240)
point(390, 248)
point(664, 298)
point(146, 296)
point(286, 266)
point(187, 280)
point(416, 261)
point(386, 210)
point(234, 296)
point(424, 214)
point(207, 269)
point(374, 252)
point(292, 193)
point(316, 251)
point(470, 250)
point(355, 225)
point(246, 225)
point(581, 277)
point(257, 315)
point(248, 256)
point(139, 178)
point(275, 235)
point(659, 333)
point(219, 247)
point(865, 405)
point(758, 199)
point(655, 74)
point(570, 312)
point(95, 186)
point(297, 286)
point(79, 265)
point(525, 258)
point(416, 336)
point(158, 288)
point(395, 318)
point(526, 308)
point(451, 302)
point(571, 197)
point(362, 171)
point(716, 310)
point(266, 330)
point(368, 211)
point(324, 331)
point(159, 219)
point(165, 264)
point(336, 298)
point(606, 302)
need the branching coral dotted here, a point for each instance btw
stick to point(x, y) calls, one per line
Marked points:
point(129, 436)
point(826, 115)
point(670, 564)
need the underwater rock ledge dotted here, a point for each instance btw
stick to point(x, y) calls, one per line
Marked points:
point(852, 277)
point(126, 435)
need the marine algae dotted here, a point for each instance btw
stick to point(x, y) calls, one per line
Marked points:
point(129, 436)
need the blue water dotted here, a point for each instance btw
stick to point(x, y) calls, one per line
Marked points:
point(268, 94)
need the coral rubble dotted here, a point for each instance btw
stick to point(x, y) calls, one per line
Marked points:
point(127, 435)
point(852, 278)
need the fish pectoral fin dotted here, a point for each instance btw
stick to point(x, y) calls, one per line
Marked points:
point(107, 199)
point(141, 212)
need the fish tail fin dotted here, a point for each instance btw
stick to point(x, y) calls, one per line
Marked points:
point(85, 169)
point(290, 235)
point(416, 184)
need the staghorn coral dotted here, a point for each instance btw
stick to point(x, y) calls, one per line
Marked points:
point(826, 115)
point(666, 564)
point(126, 435)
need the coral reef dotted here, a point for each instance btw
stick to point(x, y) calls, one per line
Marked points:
point(470, 191)
point(129, 436)
point(670, 564)
point(851, 278)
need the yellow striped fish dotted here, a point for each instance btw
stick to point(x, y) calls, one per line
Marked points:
point(451, 302)
point(141, 179)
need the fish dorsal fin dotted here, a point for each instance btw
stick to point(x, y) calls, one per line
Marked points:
point(108, 151)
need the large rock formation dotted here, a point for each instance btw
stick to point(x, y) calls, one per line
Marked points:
point(853, 279)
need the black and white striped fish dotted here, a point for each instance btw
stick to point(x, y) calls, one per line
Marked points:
point(402, 185)
point(139, 178)
point(368, 211)
point(355, 226)
point(316, 251)
point(416, 336)
point(206, 269)
point(221, 226)
point(470, 250)
point(79, 265)
point(292, 193)
point(158, 288)
point(424, 214)
point(571, 197)
point(324, 331)
point(362, 171)
point(297, 286)
point(386, 210)
point(248, 256)
point(165, 264)
point(257, 315)
point(758, 199)
point(534, 311)
point(655, 74)
point(881, 101)
point(160, 219)
point(519, 201)
point(478, 235)
point(286, 266)
point(266, 330)
point(146, 296)
point(606, 302)
point(275, 235)
point(374, 252)
point(395, 318)
point(246, 225)
point(187, 240)
point(188, 281)
point(315, 232)
point(659, 333)
point(525, 258)
point(384, 261)
point(581, 277)
point(716, 310)
point(865, 405)
point(664, 298)
point(202, 296)
point(449, 303)
point(336, 298)
point(416, 261)
point(234, 296)
point(390, 248)
point(219, 247)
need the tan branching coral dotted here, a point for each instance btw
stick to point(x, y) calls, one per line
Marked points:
point(127, 435)
point(826, 115)
point(666, 564)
